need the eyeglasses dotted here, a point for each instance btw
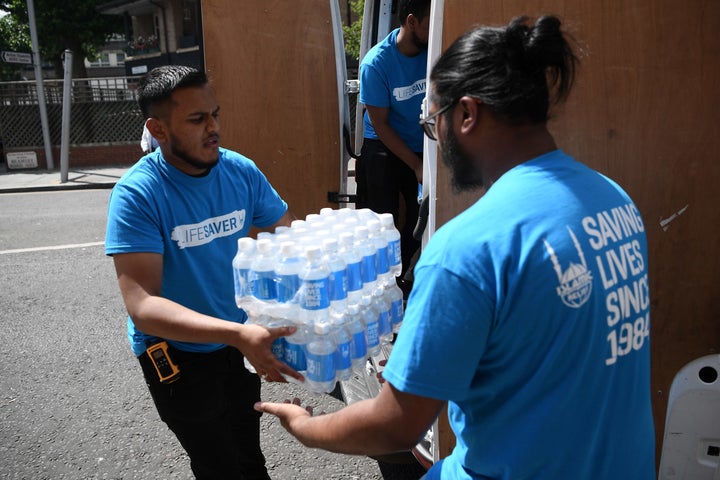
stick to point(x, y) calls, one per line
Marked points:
point(428, 123)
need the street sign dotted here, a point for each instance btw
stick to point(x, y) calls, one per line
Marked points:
point(21, 160)
point(16, 57)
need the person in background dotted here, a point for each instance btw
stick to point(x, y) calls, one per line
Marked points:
point(147, 141)
point(515, 319)
point(174, 220)
point(392, 87)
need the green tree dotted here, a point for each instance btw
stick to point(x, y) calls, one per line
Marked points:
point(351, 33)
point(12, 39)
point(75, 25)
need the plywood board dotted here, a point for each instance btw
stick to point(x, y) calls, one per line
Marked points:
point(272, 64)
point(645, 112)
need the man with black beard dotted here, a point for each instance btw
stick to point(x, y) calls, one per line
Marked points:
point(509, 321)
point(174, 221)
point(392, 87)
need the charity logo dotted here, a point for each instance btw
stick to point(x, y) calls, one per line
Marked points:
point(575, 282)
point(197, 234)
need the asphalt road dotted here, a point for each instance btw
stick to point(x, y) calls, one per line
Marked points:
point(73, 404)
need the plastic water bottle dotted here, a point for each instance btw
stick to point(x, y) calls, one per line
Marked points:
point(314, 307)
point(328, 212)
point(287, 283)
point(320, 377)
point(392, 235)
point(367, 251)
point(382, 306)
point(338, 275)
point(277, 317)
point(365, 215)
point(353, 261)
point(315, 288)
point(358, 347)
point(287, 274)
point(397, 311)
point(294, 349)
point(262, 279)
point(369, 316)
point(241, 273)
point(343, 340)
point(380, 243)
point(262, 272)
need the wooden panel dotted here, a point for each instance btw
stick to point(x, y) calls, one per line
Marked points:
point(272, 64)
point(645, 112)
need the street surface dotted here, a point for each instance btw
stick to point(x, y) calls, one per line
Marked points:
point(73, 404)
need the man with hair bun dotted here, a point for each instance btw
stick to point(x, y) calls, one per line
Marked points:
point(520, 317)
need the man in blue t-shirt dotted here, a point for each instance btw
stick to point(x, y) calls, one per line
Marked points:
point(392, 88)
point(530, 312)
point(174, 220)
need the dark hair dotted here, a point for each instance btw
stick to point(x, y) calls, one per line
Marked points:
point(158, 85)
point(419, 8)
point(518, 70)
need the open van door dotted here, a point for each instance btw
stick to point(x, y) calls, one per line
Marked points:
point(278, 69)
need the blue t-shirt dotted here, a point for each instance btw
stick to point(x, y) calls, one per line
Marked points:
point(530, 316)
point(389, 79)
point(194, 222)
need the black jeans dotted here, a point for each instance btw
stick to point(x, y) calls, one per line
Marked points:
point(210, 411)
point(383, 178)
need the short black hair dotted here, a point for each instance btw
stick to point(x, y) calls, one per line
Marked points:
point(518, 70)
point(158, 85)
point(419, 8)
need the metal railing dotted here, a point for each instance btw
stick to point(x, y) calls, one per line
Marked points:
point(104, 110)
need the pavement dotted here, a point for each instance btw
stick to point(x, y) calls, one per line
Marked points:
point(18, 181)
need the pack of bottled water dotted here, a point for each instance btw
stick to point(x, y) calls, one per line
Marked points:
point(331, 275)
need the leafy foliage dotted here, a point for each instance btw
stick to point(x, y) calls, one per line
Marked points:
point(74, 25)
point(12, 39)
point(351, 33)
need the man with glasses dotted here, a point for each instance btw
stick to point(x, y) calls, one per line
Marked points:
point(521, 317)
point(392, 87)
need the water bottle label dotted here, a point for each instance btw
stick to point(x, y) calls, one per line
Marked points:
point(354, 277)
point(396, 308)
point(320, 367)
point(359, 345)
point(287, 287)
point(278, 348)
point(316, 295)
point(338, 285)
point(384, 325)
point(373, 335)
point(369, 273)
point(295, 356)
point(342, 356)
point(263, 285)
point(382, 260)
point(394, 252)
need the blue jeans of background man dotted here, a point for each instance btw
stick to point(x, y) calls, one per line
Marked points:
point(210, 411)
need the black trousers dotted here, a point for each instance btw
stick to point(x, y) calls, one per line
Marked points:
point(210, 411)
point(382, 180)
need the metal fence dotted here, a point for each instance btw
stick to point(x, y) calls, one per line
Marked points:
point(104, 111)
